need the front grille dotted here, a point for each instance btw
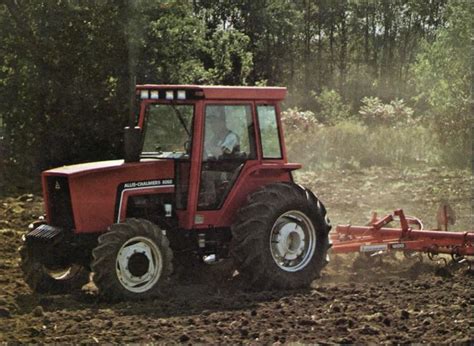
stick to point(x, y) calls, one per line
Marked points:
point(44, 233)
point(60, 206)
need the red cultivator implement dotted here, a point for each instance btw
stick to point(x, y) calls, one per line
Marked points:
point(409, 237)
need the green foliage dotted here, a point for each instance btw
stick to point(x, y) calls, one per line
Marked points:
point(65, 68)
point(174, 41)
point(62, 94)
point(179, 49)
point(443, 79)
point(332, 109)
point(232, 62)
point(374, 112)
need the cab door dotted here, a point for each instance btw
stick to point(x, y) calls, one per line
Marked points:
point(228, 144)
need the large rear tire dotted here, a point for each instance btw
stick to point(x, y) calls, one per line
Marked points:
point(280, 238)
point(49, 278)
point(132, 261)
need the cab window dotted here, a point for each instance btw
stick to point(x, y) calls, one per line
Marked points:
point(269, 135)
point(168, 130)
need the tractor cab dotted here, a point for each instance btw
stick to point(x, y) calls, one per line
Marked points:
point(212, 134)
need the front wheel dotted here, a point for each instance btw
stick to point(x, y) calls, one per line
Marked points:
point(131, 261)
point(280, 239)
point(50, 278)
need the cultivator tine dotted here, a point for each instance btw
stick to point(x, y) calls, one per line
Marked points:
point(378, 253)
point(461, 260)
point(458, 258)
point(434, 257)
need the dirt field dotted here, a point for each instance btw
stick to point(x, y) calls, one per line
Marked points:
point(395, 300)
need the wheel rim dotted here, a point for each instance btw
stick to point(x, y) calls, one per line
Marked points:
point(139, 264)
point(61, 274)
point(292, 241)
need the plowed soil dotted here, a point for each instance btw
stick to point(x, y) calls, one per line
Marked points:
point(357, 300)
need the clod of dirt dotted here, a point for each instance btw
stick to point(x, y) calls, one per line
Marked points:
point(426, 321)
point(34, 331)
point(307, 322)
point(8, 233)
point(184, 338)
point(38, 311)
point(5, 313)
point(404, 315)
point(443, 272)
point(374, 317)
point(369, 330)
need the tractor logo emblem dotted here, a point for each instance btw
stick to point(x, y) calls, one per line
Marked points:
point(57, 186)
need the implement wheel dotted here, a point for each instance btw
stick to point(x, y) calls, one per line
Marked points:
point(49, 278)
point(132, 261)
point(280, 239)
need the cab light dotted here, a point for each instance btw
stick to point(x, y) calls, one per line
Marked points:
point(154, 94)
point(181, 94)
point(144, 94)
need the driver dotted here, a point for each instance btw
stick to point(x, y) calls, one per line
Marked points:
point(220, 142)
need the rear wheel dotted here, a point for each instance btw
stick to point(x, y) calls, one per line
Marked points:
point(132, 260)
point(280, 238)
point(50, 278)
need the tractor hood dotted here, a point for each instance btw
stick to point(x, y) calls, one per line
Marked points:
point(85, 168)
point(89, 197)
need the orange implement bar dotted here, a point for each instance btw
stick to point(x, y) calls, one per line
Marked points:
point(376, 237)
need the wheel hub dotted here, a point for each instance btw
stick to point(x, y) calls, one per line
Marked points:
point(139, 264)
point(292, 241)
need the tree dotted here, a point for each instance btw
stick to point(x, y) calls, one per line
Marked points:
point(63, 82)
point(443, 77)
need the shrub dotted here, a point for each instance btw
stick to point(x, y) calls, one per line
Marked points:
point(332, 108)
point(373, 112)
point(354, 144)
point(297, 120)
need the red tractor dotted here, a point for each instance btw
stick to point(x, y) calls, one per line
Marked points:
point(205, 173)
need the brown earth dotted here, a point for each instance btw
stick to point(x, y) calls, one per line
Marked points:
point(356, 300)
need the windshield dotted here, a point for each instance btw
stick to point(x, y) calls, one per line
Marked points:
point(168, 130)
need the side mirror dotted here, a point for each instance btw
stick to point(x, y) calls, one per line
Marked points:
point(132, 144)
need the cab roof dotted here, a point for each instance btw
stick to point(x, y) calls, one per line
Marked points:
point(224, 92)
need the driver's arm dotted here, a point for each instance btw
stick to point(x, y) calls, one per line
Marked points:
point(229, 143)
